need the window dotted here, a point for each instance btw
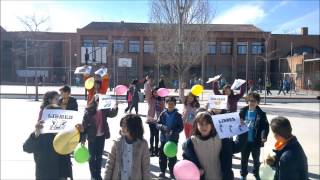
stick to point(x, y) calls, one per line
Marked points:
point(103, 43)
point(226, 47)
point(257, 48)
point(87, 43)
point(148, 46)
point(212, 47)
point(118, 45)
point(242, 47)
point(134, 46)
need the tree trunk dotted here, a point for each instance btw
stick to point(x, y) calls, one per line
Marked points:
point(181, 87)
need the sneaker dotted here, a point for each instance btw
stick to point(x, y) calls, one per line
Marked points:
point(162, 175)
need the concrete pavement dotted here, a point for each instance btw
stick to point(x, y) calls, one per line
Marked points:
point(18, 117)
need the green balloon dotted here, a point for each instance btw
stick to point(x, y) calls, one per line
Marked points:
point(81, 154)
point(170, 149)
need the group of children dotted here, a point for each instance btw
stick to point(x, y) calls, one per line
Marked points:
point(130, 153)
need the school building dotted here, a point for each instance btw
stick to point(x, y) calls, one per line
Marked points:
point(127, 50)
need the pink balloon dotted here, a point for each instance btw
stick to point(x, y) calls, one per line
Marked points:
point(185, 170)
point(163, 92)
point(121, 90)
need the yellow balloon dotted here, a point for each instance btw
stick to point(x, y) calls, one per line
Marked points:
point(89, 83)
point(197, 89)
point(65, 142)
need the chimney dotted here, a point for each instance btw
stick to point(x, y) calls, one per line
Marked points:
point(304, 31)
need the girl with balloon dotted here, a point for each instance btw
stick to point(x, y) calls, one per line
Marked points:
point(129, 158)
point(190, 105)
point(213, 156)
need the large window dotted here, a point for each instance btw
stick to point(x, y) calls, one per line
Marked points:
point(242, 47)
point(148, 46)
point(134, 46)
point(226, 47)
point(118, 46)
point(102, 43)
point(257, 48)
point(87, 43)
point(212, 48)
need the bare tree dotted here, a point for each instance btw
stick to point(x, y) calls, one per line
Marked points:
point(179, 33)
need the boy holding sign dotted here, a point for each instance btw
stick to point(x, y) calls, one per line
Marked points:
point(256, 121)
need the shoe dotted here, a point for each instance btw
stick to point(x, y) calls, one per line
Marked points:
point(172, 176)
point(162, 175)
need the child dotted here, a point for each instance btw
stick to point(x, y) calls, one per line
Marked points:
point(155, 107)
point(232, 98)
point(49, 164)
point(290, 160)
point(258, 125)
point(191, 104)
point(213, 156)
point(96, 129)
point(66, 101)
point(170, 124)
point(129, 158)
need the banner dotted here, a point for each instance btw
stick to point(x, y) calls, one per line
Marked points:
point(101, 71)
point(237, 83)
point(56, 120)
point(228, 125)
point(106, 102)
point(214, 78)
point(218, 101)
point(83, 70)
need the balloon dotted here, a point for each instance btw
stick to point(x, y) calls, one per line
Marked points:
point(81, 154)
point(66, 141)
point(197, 89)
point(170, 149)
point(89, 83)
point(121, 90)
point(266, 172)
point(163, 92)
point(185, 170)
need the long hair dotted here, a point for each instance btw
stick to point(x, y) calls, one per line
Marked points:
point(200, 118)
point(134, 125)
point(47, 98)
point(195, 103)
point(224, 89)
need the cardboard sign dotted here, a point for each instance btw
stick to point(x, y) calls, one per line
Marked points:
point(106, 102)
point(83, 70)
point(228, 125)
point(101, 71)
point(214, 78)
point(218, 101)
point(237, 83)
point(57, 120)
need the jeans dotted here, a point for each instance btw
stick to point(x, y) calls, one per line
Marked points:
point(96, 148)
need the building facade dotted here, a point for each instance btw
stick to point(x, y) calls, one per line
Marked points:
point(128, 51)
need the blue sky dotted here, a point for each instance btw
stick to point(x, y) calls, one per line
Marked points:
point(276, 16)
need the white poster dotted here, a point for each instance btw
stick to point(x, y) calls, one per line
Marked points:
point(56, 120)
point(228, 125)
point(237, 83)
point(83, 70)
point(106, 102)
point(218, 101)
point(101, 71)
point(214, 78)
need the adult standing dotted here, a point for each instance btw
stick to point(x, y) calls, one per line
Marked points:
point(281, 87)
point(134, 89)
point(66, 101)
point(161, 84)
point(260, 83)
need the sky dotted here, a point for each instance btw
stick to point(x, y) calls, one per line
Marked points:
point(276, 16)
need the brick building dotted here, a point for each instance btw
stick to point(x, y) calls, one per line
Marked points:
point(107, 42)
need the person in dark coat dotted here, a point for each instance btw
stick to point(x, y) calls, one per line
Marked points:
point(290, 160)
point(66, 101)
point(161, 84)
point(134, 90)
point(258, 126)
point(96, 130)
point(225, 148)
point(281, 87)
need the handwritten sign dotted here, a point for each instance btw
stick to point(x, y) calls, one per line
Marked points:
point(57, 120)
point(237, 83)
point(228, 125)
point(83, 70)
point(106, 102)
point(218, 101)
point(101, 71)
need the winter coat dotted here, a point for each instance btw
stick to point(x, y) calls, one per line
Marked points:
point(229, 147)
point(90, 128)
point(170, 130)
point(72, 104)
point(291, 162)
point(49, 164)
point(135, 94)
point(261, 127)
point(140, 160)
point(232, 99)
point(147, 90)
